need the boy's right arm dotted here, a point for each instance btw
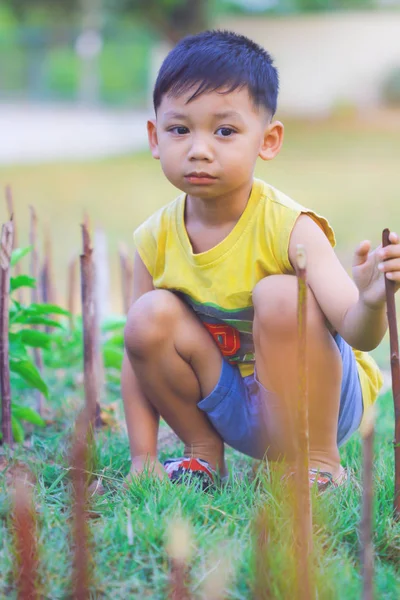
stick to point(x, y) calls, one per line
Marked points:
point(141, 419)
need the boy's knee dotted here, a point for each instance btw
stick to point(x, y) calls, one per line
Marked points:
point(275, 305)
point(149, 321)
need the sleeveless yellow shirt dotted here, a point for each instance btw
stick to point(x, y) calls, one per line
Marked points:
point(218, 283)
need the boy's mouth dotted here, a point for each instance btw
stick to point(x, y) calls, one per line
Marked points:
point(200, 178)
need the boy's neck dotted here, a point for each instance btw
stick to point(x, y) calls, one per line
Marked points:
point(224, 209)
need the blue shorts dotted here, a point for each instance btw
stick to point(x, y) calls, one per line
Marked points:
point(238, 407)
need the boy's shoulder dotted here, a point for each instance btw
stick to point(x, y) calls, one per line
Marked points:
point(162, 217)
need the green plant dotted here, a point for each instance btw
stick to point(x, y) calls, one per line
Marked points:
point(22, 337)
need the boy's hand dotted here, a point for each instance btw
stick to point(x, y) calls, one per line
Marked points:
point(370, 269)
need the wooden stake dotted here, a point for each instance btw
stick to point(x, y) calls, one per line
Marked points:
point(46, 276)
point(79, 473)
point(395, 368)
point(91, 363)
point(263, 584)
point(34, 271)
point(25, 540)
point(101, 297)
point(11, 217)
point(179, 551)
point(367, 551)
point(71, 289)
point(6, 244)
point(126, 277)
point(303, 525)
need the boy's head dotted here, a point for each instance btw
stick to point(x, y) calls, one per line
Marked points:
point(214, 99)
point(218, 61)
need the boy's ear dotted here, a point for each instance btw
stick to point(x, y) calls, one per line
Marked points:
point(153, 139)
point(272, 140)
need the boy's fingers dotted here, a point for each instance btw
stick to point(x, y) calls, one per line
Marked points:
point(391, 251)
point(393, 237)
point(390, 266)
point(361, 253)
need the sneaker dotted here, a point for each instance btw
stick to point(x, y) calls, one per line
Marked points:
point(191, 471)
point(324, 480)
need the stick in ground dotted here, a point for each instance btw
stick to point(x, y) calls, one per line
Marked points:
point(302, 505)
point(6, 244)
point(34, 269)
point(367, 551)
point(91, 364)
point(25, 539)
point(178, 547)
point(395, 368)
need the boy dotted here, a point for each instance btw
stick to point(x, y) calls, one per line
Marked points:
point(211, 337)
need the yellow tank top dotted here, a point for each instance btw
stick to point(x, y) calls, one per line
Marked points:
point(218, 283)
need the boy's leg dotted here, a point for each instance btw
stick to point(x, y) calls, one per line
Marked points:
point(176, 363)
point(275, 337)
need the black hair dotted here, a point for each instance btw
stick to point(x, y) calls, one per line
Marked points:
point(218, 60)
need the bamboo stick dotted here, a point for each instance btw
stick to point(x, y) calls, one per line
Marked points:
point(262, 582)
point(366, 528)
point(91, 363)
point(101, 298)
point(48, 289)
point(303, 525)
point(34, 270)
point(6, 244)
point(179, 551)
point(126, 277)
point(11, 217)
point(71, 290)
point(25, 540)
point(395, 369)
point(79, 461)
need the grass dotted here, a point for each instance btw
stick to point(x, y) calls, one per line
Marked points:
point(221, 524)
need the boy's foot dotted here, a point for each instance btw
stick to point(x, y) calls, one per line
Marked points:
point(191, 471)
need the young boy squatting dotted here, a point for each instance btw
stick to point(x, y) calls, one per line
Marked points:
point(211, 336)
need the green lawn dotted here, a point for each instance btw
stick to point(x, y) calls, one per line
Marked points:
point(221, 526)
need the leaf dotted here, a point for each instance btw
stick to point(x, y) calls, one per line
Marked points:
point(36, 339)
point(117, 340)
point(25, 413)
point(17, 430)
point(48, 309)
point(16, 349)
point(19, 253)
point(113, 357)
point(22, 281)
point(29, 373)
point(27, 319)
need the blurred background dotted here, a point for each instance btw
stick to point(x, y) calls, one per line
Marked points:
point(76, 81)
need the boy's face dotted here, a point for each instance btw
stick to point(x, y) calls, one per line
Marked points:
point(209, 146)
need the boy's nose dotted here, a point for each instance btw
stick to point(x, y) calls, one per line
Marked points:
point(200, 150)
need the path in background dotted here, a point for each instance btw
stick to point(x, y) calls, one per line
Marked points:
point(41, 133)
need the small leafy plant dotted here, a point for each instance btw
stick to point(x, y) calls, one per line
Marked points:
point(23, 336)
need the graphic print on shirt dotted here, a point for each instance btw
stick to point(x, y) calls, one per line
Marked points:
point(232, 330)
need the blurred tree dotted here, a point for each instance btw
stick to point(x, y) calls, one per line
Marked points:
point(170, 18)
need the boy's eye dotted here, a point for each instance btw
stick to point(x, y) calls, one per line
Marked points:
point(179, 129)
point(225, 131)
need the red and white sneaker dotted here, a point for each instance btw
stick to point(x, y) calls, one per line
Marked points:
point(324, 480)
point(191, 471)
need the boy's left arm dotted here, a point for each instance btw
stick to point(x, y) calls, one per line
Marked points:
point(355, 308)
